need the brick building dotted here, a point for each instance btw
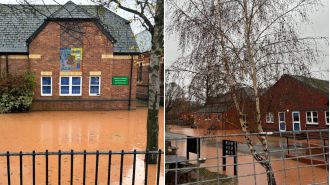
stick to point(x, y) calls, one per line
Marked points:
point(296, 103)
point(221, 113)
point(82, 55)
point(144, 42)
point(292, 103)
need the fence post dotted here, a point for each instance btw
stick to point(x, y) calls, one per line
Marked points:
point(20, 168)
point(8, 167)
point(96, 166)
point(134, 163)
point(71, 169)
point(224, 155)
point(59, 167)
point(159, 161)
point(121, 166)
point(109, 167)
point(84, 168)
point(46, 155)
point(235, 160)
point(146, 168)
point(33, 167)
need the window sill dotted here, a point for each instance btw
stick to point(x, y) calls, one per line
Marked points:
point(312, 123)
point(69, 95)
point(46, 95)
point(94, 95)
point(270, 122)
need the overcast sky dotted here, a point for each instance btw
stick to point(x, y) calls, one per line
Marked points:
point(319, 26)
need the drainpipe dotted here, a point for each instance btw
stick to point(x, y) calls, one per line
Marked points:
point(7, 65)
point(130, 84)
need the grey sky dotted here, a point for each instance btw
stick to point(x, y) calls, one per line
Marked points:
point(318, 26)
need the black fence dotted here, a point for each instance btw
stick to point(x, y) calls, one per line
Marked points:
point(23, 158)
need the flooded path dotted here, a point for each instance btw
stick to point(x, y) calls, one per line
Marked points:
point(288, 171)
point(77, 130)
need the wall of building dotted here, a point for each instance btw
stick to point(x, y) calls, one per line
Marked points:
point(17, 64)
point(289, 95)
point(97, 58)
point(143, 82)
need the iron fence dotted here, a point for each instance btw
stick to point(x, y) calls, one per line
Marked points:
point(37, 157)
point(295, 157)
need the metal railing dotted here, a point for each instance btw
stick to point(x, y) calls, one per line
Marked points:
point(109, 155)
point(298, 160)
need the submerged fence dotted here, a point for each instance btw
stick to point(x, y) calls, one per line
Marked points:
point(53, 167)
point(296, 158)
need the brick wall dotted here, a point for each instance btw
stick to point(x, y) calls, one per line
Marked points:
point(17, 64)
point(95, 45)
point(289, 95)
point(142, 86)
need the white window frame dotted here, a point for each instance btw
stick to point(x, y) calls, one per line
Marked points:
point(312, 118)
point(90, 85)
point(279, 121)
point(51, 86)
point(325, 115)
point(70, 86)
point(268, 116)
point(293, 122)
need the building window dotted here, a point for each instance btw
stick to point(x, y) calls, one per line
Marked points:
point(270, 117)
point(312, 118)
point(281, 121)
point(94, 85)
point(296, 121)
point(70, 86)
point(327, 117)
point(46, 85)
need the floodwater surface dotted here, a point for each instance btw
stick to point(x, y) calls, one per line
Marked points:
point(287, 171)
point(78, 131)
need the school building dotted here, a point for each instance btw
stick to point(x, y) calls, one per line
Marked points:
point(83, 56)
point(293, 103)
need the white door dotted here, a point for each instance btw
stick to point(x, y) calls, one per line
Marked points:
point(296, 121)
point(281, 121)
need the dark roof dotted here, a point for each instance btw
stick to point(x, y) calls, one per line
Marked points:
point(216, 108)
point(319, 84)
point(19, 22)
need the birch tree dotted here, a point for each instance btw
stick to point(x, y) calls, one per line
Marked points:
point(150, 14)
point(251, 42)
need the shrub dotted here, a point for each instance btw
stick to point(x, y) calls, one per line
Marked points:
point(16, 92)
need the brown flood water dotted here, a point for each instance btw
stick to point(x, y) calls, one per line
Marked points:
point(77, 130)
point(286, 171)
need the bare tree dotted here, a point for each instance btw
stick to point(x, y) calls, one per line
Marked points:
point(173, 94)
point(150, 13)
point(250, 42)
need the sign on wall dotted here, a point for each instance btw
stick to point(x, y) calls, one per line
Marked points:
point(120, 80)
point(70, 59)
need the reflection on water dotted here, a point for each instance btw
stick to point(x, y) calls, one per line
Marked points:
point(78, 130)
